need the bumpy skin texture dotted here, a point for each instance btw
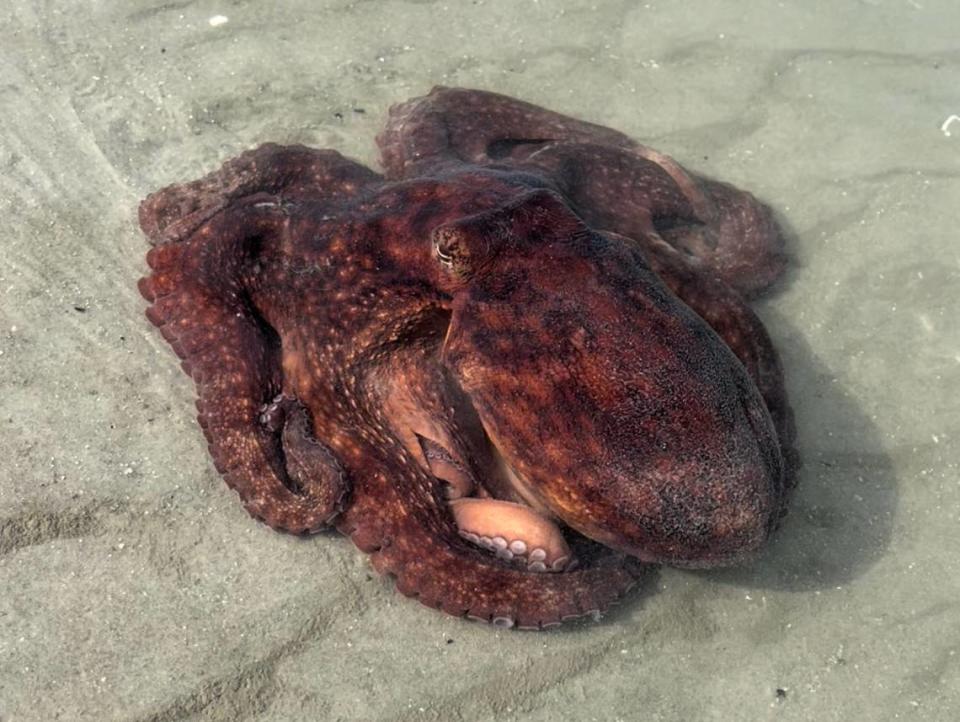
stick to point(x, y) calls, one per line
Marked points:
point(524, 307)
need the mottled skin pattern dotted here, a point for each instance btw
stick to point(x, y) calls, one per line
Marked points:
point(523, 307)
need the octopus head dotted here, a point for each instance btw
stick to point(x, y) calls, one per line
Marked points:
point(614, 407)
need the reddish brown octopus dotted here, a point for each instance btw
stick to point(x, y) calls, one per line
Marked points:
point(516, 368)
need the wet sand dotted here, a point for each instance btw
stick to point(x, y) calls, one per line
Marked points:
point(134, 587)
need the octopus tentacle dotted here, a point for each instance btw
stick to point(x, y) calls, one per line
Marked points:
point(513, 532)
point(473, 126)
point(641, 193)
point(311, 467)
point(295, 171)
point(447, 468)
point(742, 245)
point(207, 237)
point(200, 321)
point(614, 182)
point(431, 417)
point(419, 554)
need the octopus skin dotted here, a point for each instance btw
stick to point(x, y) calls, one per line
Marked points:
point(517, 367)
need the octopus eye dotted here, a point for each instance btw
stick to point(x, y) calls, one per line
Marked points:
point(447, 244)
point(445, 259)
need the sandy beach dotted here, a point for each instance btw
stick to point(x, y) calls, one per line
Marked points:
point(133, 585)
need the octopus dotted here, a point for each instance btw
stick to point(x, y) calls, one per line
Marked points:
point(517, 368)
